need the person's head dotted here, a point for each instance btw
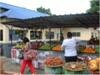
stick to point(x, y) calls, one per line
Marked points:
point(69, 35)
point(25, 40)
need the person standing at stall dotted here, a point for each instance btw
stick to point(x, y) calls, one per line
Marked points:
point(69, 47)
point(26, 61)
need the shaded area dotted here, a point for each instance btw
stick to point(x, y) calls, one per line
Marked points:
point(61, 21)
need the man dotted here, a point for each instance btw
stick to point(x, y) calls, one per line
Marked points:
point(69, 46)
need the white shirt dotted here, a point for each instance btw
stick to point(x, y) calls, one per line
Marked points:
point(69, 46)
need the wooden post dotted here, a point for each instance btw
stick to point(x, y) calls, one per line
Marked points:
point(2, 61)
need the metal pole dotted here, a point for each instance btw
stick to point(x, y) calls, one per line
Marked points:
point(11, 35)
point(61, 35)
point(50, 36)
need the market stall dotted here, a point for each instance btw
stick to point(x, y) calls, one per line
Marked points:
point(54, 64)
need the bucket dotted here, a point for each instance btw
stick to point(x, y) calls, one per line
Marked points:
point(53, 70)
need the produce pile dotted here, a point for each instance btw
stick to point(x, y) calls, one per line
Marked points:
point(57, 48)
point(75, 66)
point(54, 62)
point(89, 50)
point(19, 45)
point(46, 47)
point(94, 65)
point(34, 45)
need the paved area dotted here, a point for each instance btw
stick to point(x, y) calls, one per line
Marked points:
point(14, 67)
point(9, 66)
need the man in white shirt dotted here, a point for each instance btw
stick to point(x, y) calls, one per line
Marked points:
point(69, 46)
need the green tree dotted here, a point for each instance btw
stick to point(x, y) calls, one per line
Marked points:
point(43, 10)
point(94, 7)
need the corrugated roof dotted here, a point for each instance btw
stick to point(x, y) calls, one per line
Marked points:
point(60, 21)
point(19, 12)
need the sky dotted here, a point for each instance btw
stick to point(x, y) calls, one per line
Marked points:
point(58, 7)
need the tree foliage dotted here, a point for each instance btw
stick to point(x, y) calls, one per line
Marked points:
point(43, 10)
point(94, 7)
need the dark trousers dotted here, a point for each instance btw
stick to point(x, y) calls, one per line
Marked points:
point(71, 58)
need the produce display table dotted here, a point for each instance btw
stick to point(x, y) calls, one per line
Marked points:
point(40, 57)
point(43, 54)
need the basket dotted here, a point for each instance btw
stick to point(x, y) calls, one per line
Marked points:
point(79, 70)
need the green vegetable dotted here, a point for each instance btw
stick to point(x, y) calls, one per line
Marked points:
point(46, 47)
